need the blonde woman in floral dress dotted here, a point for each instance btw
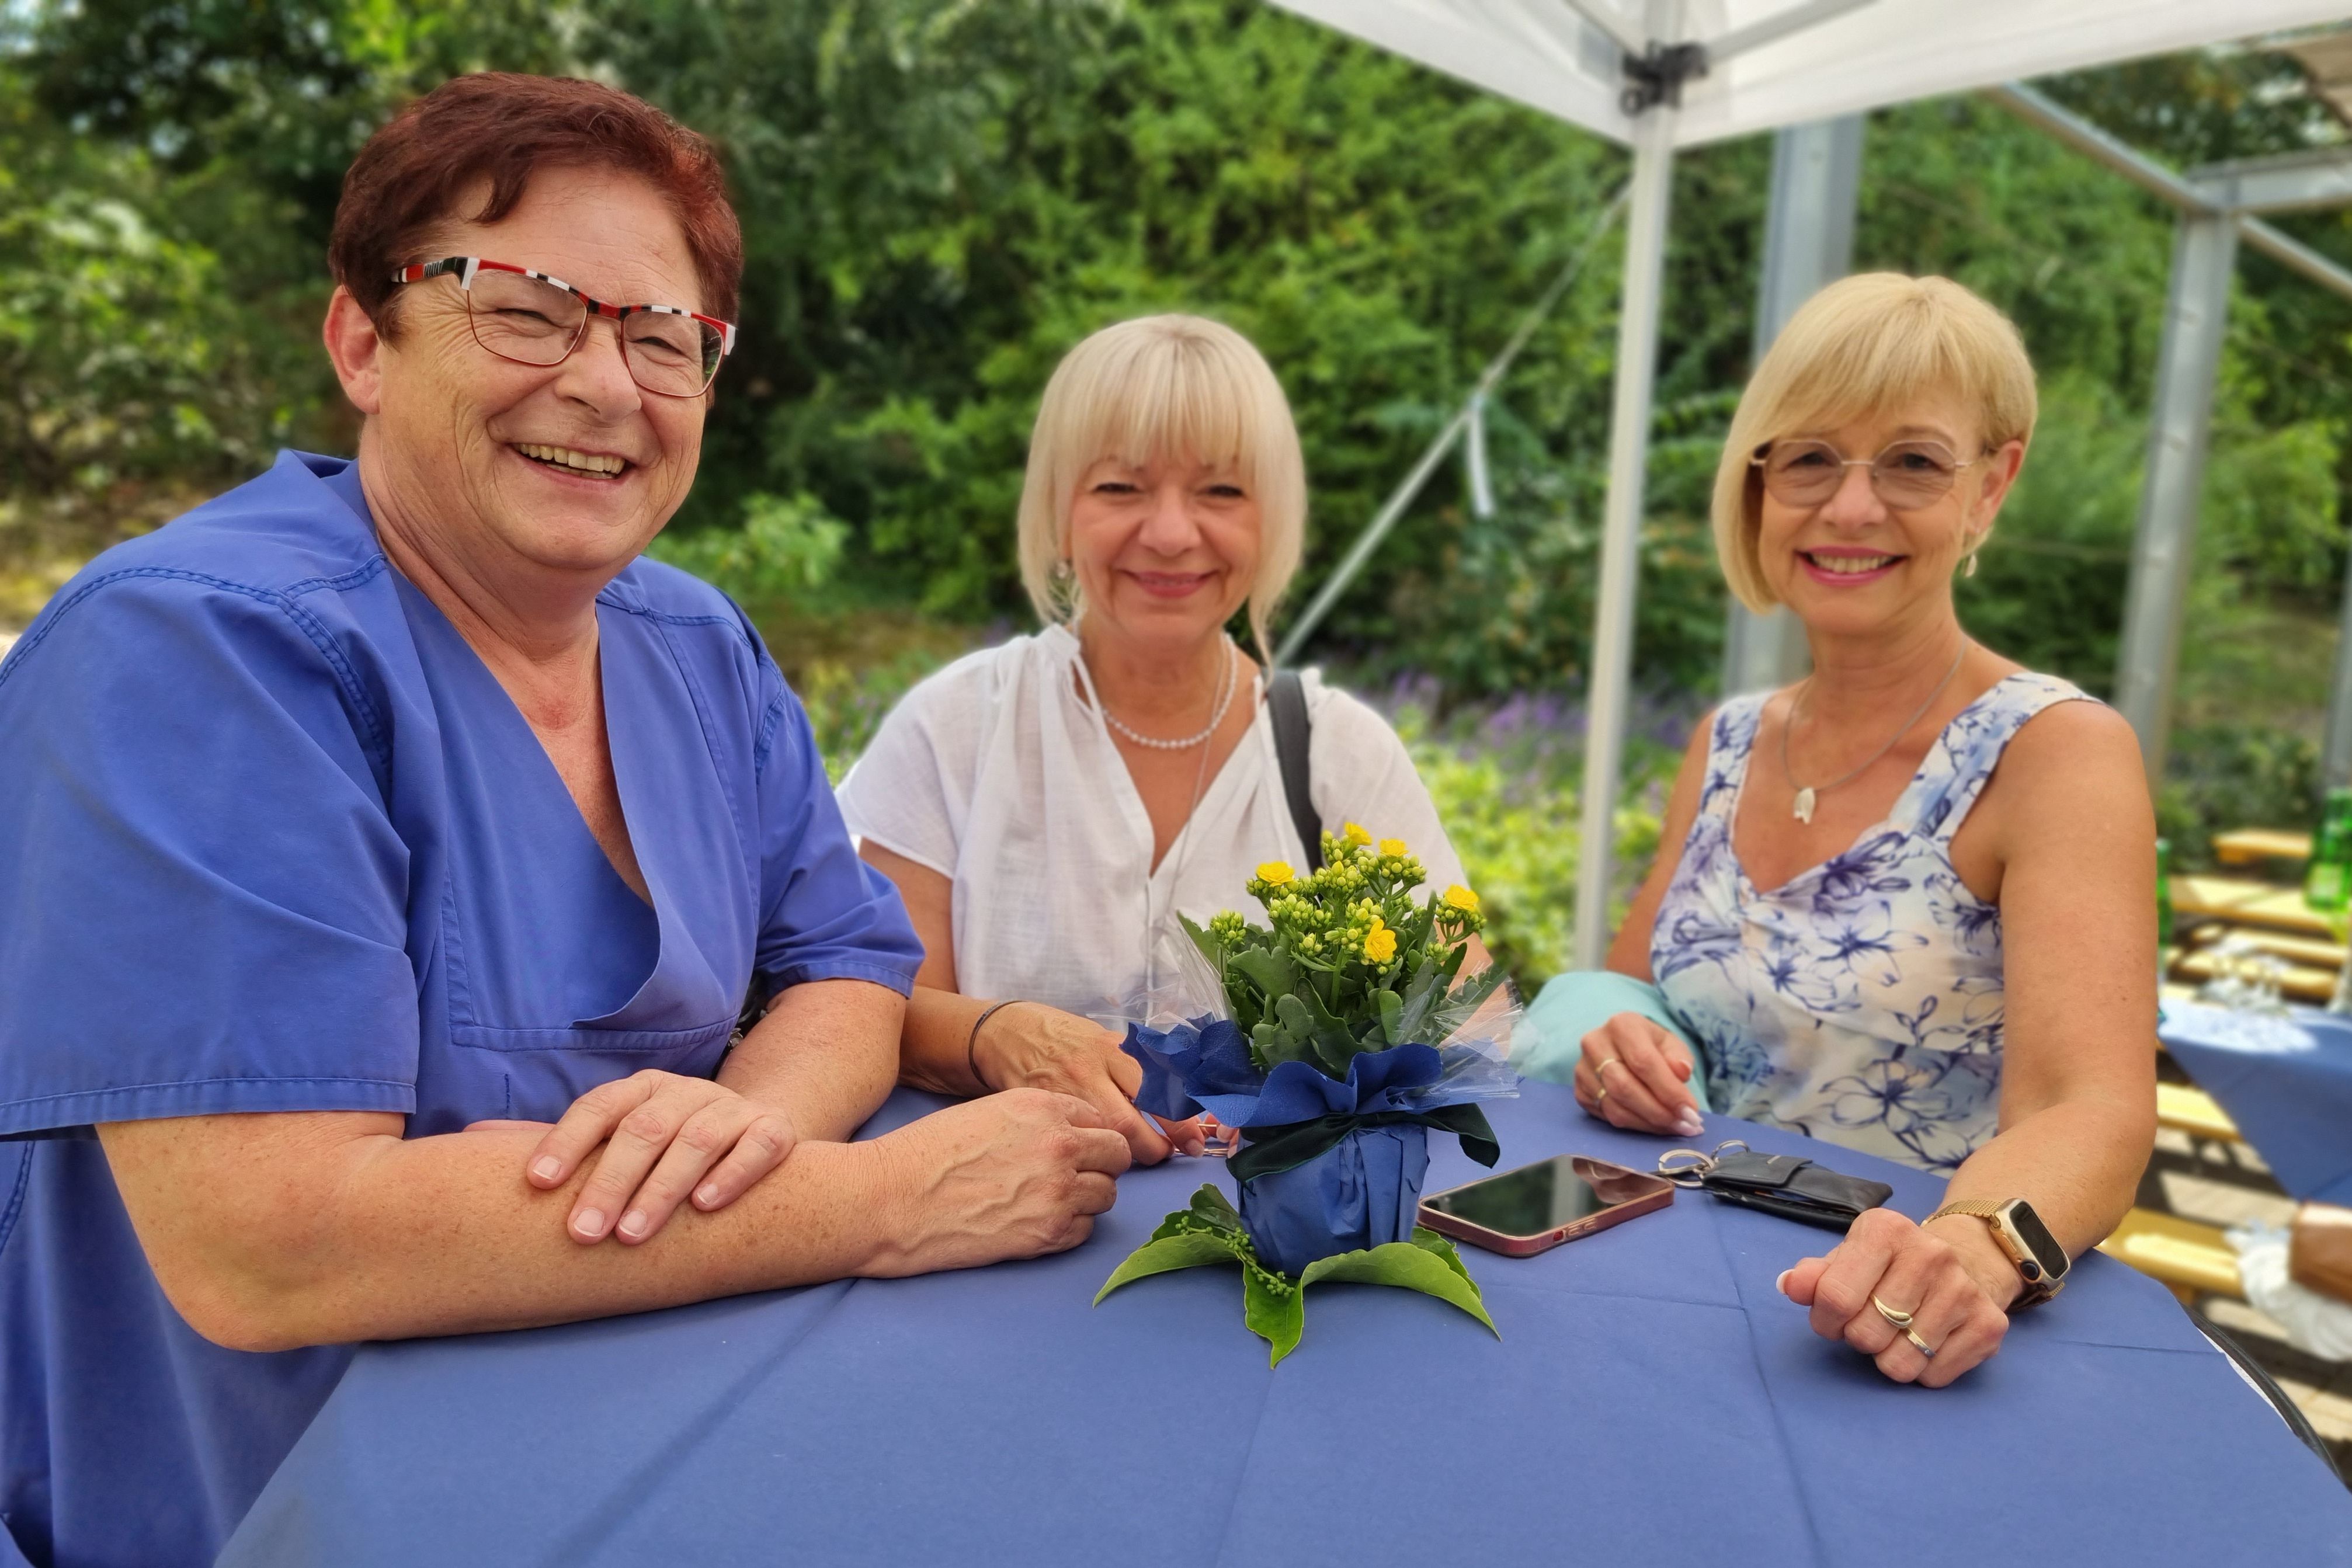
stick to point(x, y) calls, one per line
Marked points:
point(1046, 807)
point(1907, 905)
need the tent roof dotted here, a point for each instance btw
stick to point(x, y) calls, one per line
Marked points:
point(1543, 53)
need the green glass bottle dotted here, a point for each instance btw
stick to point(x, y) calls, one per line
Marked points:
point(2328, 880)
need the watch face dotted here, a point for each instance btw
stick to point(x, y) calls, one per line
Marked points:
point(2038, 1240)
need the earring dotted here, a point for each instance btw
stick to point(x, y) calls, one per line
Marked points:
point(1061, 574)
point(1970, 569)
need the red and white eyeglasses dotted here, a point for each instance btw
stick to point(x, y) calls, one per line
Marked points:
point(534, 319)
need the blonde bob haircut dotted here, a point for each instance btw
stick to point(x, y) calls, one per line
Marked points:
point(1179, 388)
point(1875, 341)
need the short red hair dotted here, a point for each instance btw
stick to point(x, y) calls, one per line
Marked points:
point(504, 127)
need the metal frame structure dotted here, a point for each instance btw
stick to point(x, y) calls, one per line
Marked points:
point(1655, 70)
point(2218, 208)
point(1807, 245)
point(1582, 40)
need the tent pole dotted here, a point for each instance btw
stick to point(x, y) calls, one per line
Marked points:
point(1629, 431)
point(2336, 757)
point(2195, 317)
point(1807, 245)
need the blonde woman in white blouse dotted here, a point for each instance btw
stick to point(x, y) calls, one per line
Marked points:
point(1047, 806)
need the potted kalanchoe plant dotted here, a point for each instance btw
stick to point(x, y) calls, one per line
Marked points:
point(1349, 1032)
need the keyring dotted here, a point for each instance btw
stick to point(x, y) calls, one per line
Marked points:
point(1691, 1174)
point(1685, 1175)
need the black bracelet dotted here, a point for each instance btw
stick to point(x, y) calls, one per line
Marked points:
point(971, 1064)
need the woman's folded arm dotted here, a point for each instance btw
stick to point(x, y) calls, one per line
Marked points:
point(278, 1230)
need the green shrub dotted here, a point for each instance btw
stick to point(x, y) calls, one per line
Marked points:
point(2223, 776)
point(1506, 784)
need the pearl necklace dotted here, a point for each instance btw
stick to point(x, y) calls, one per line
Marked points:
point(1225, 701)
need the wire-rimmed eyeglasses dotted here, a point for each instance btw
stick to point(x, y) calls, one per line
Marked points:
point(1906, 476)
point(534, 319)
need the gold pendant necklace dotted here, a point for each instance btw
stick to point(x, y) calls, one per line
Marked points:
point(1807, 794)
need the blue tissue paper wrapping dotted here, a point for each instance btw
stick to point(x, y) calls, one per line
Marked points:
point(1362, 1191)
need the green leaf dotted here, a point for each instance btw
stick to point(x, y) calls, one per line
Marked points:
point(1213, 1208)
point(1392, 1017)
point(1274, 1306)
point(1419, 995)
point(1275, 1310)
point(1430, 1241)
point(1183, 1250)
point(1270, 972)
point(1210, 948)
point(1276, 1045)
point(1333, 1041)
point(1410, 1265)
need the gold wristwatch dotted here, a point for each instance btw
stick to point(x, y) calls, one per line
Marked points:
point(2019, 1233)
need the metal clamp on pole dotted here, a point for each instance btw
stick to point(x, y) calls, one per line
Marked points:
point(1656, 75)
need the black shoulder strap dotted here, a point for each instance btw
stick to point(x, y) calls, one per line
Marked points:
point(1288, 699)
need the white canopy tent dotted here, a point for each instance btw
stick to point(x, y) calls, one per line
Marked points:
point(1673, 73)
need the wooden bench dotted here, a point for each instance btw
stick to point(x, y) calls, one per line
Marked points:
point(2300, 981)
point(2312, 951)
point(2244, 900)
point(2251, 846)
point(2188, 1258)
point(2193, 1112)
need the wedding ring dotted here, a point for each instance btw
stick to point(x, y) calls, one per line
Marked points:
point(1600, 1099)
point(1921, 1346)
point(1900, 1320)
point(1606, 1064)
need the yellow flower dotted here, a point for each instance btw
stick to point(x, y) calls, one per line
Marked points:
point(1460, 897)
point(1381, 946)
point(1274, 873)
point(1392, 847)
point(1357, 834)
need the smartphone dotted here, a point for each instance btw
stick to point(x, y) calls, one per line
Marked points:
point(1534, 1208)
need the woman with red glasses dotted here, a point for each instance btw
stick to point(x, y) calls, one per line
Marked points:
point(387, 853)
point(1907, 903)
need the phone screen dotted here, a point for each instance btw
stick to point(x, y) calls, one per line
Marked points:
point(1544, 1195)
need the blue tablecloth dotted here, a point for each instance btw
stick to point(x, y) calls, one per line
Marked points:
point(1653, 1400)
point(2286, 1081)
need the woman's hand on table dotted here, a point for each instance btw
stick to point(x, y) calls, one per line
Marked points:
point(1635, 1075)
point(668, 1139)
point(1957, 1299)
point(1028, 1045)
point(1012, 1174)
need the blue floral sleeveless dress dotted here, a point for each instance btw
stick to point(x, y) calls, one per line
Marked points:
point(1861, 1002)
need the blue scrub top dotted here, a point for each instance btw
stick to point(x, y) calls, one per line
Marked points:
point(272, 837)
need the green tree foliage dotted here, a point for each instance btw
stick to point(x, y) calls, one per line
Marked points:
point(941, 195)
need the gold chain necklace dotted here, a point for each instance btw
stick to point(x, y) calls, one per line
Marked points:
point(1802, 809)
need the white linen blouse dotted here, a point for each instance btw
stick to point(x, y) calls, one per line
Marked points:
point(998, 773)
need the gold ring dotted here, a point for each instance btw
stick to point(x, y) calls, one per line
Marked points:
point(1921, 1346)
point(1606, 1064)
point(1600, 1099)
point(1900, 1320)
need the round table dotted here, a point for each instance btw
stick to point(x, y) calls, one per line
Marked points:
point(1652, 1400)
point(2285, 1082)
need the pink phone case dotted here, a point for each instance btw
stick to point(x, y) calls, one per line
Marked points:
point(1642, 1194)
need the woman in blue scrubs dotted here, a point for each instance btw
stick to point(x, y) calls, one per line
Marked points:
point(370, 818)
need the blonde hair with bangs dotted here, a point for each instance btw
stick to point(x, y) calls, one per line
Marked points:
point(1868, 343)
point(1163, 387)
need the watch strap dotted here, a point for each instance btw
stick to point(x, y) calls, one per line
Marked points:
point(1990, 1210)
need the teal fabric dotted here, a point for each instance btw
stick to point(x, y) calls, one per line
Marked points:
point(1551, 1038)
